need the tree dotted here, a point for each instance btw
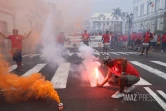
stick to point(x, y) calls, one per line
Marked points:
point(116, 14)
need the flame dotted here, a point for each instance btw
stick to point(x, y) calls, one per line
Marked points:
point(18, 88)
point(97, 72)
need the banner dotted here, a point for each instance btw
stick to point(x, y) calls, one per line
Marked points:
point(75, 41)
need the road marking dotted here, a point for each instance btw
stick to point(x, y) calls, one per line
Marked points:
point(13, 67)
point(96, 52)
point(142, 82)
point(162, 94)
point(156, 97)
point(150, 69)
point(59, 79)
point(35, 69)
point(114, 53)
point(135, 53)
point(123, 53)
point(26, 55)
point(160, 63)
point(34, 55)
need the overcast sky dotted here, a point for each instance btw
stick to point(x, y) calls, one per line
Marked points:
point(108, 5)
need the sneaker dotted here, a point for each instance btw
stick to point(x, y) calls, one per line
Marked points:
point(129, 89)
point(117, 95)
point(162, 51)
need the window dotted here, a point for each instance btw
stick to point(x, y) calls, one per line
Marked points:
point(136, 12)
point(107, 23)
point(142, 10)
point(157, 5)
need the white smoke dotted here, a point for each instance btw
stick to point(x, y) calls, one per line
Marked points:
point(88, 65)
point(51, 52)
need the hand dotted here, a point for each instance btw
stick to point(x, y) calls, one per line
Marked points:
point(99, 85)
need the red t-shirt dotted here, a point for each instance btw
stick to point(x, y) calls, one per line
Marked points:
point(61, 39)
point(85, 37)
point(147, 38)
point(106, 38)
point(125, 38)
point(16, 41)
point(139, 36)
point(158, 38)
point(164, 38)
point(133, 37)
point(120, 38)
point(130, 70)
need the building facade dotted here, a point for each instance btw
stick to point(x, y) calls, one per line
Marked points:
point(100, 22)
point(149, 14)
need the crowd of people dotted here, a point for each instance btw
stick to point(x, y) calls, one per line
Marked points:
point(135, 40)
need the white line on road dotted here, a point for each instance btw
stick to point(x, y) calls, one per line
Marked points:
point(114, 53)
point(160, 63)
point(34, 55)
point(150, 69)
point(162, 94)
point(142, 82)
point(35, 69)
point(125, 53)
point(135, 53)
point(26, 55)
point(59, 79)
point(13, 67)
point(156, 97)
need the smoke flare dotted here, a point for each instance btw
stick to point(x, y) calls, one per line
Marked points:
point(18, 88)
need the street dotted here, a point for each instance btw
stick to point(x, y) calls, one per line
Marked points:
point(78, 94)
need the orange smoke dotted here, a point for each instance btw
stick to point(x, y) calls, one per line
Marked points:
point(18, 88)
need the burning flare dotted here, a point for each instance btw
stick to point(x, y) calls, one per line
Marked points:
point(18, 88)
point(97, 75)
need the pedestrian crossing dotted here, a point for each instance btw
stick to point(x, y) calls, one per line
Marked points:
point(60, 77)
point(122, 53)
point(78, 53)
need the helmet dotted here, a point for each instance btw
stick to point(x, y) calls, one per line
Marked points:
point(107, 60)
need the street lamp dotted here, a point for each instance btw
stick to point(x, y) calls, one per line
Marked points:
point(130, 21)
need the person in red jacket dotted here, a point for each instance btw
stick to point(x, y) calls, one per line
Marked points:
point(163, 42)
point(61, 38)
point(106, 42)
point(146, 42)
point(120, 73)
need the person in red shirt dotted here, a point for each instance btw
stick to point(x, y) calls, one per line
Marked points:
point(16, 51)
point(146, 42)
point(139, 40)
point(120, 73)
point(61, 38)
point(158, 44)
point(106, 42)
point(85, 38)
point(163, 42)
point(133, 39)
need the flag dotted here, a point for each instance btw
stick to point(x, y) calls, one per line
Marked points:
point(151, 4)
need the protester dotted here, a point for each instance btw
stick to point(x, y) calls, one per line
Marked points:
point(16, 51)
point(138, 41)
point(61, 38)
point(125, 38)
point(106, 42)
point(133, 39)
point(120, 73)
point(85, 38)
point(163, 42)
point(146, 42)
point(158, 44)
